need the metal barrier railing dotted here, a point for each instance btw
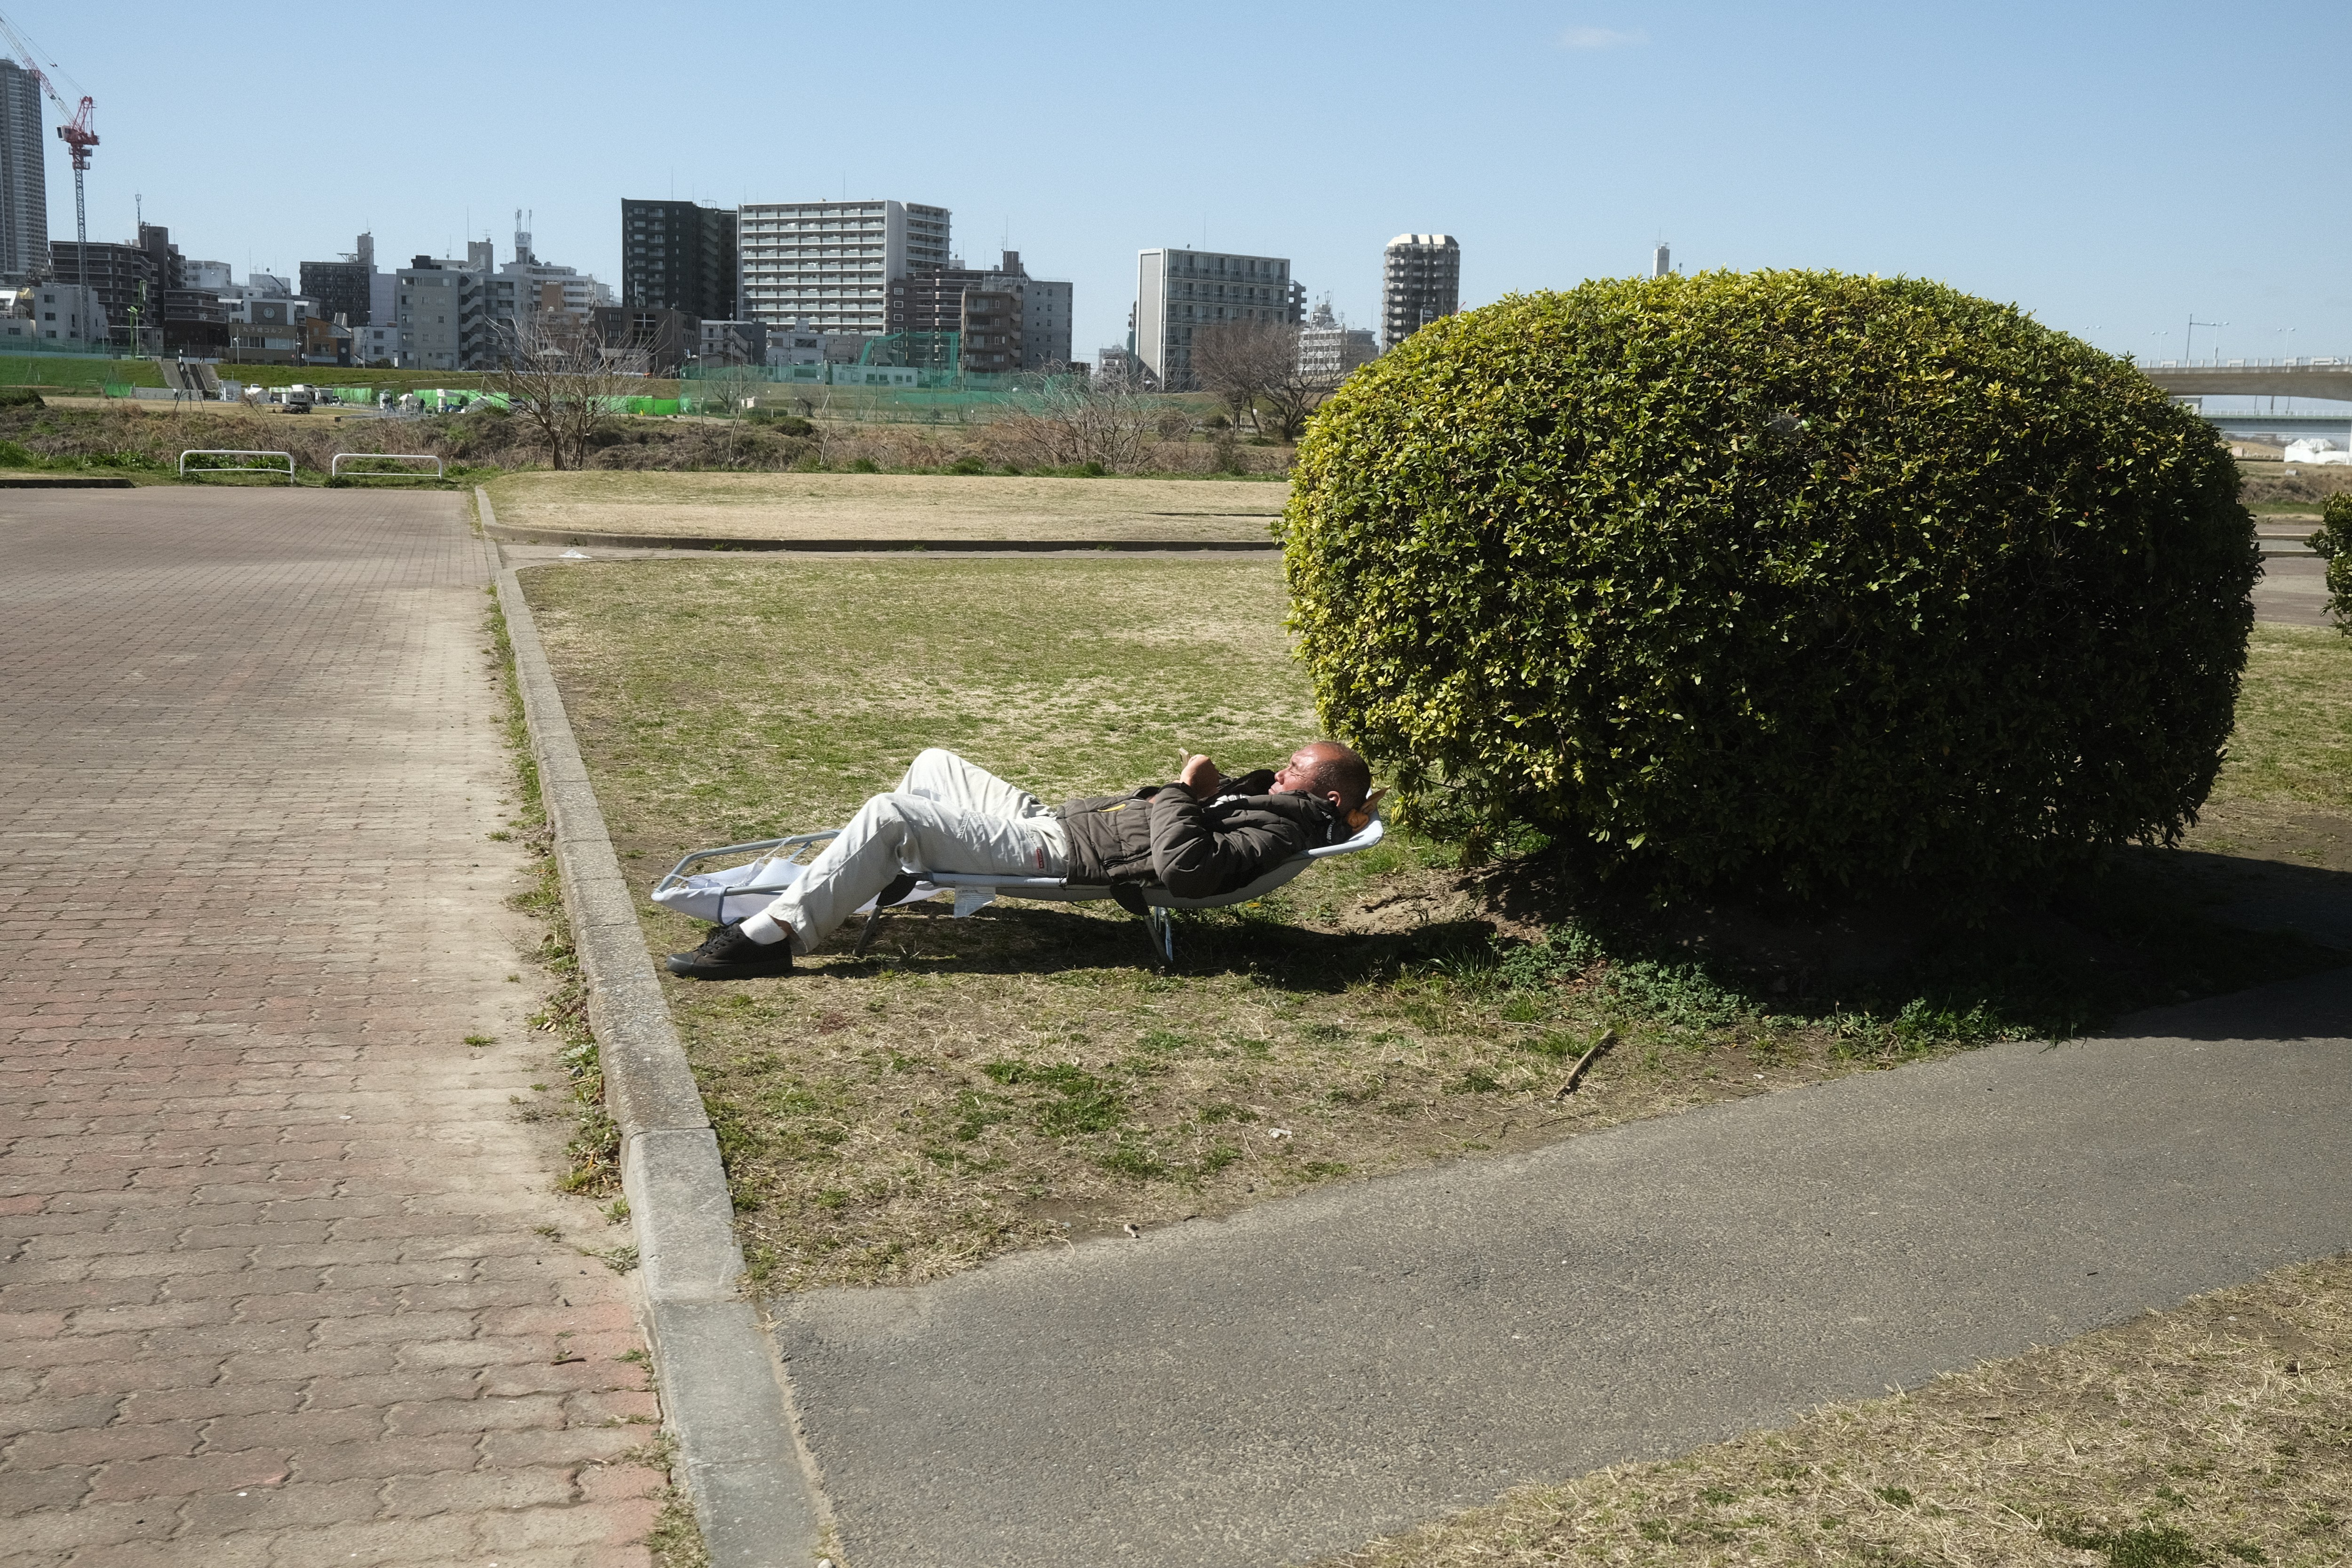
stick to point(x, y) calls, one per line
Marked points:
point(335, 465)
point(236, 468)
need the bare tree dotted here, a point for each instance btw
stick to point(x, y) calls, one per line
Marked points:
point(735, 386)
point(1072, 421)
point(562, 378)
point(1240, 362)
point(1290, 396)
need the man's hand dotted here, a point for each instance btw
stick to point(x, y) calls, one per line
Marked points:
point(1201, 776)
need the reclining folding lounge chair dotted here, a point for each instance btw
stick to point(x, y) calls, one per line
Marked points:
point(732, 892)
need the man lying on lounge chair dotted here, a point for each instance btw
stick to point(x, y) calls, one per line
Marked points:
point(1199, 837)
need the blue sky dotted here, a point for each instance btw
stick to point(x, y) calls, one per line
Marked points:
point(2110, 167)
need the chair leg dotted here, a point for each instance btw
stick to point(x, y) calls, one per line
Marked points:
point(898, 887)
point(1159, 931)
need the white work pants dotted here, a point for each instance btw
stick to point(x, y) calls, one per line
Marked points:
point(945, 816)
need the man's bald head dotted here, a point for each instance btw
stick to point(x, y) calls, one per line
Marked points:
point(1330, 771)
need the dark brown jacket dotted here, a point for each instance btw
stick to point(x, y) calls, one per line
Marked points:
point(1194, 849)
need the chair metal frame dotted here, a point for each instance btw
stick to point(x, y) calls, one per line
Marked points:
point(1149, 903)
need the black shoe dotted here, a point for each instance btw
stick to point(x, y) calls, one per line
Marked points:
point(727, 954)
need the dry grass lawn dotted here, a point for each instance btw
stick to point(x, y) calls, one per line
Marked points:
point(977, 1086)
point(2214, 1435)
point(890, 506)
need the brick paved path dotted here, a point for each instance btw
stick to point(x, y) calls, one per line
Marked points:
point(270, 1291)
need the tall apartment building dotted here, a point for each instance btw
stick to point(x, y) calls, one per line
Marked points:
point(345, 288)
point(679, 256)
point(1421, 279)
point(24, 180)
point(122, 277)
point(1177, 292)
point(1046, 325)
point(831, 264)
point(1036, 335)
point(444, 311)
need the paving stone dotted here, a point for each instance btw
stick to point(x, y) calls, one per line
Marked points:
point(447, 1538)
point(501, 1489)
point(264, 1219)
point(255, 1509)
point(52, 1486)
point(102, 1444)
point(251, 1552)
point(583, 1524)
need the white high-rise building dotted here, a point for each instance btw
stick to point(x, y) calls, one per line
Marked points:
point(1421, 279)
point(831, 264)
point(1177, 292)
point(23, 181)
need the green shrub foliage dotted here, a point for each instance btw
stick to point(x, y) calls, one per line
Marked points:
point(2332, 542)
point(1781, 579)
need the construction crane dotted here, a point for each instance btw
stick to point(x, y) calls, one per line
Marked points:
point(75, 133)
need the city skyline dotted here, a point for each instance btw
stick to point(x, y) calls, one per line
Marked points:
point(2018, 157)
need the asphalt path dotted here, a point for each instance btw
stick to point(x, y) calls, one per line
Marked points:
point(1299, 1378)
point(2293, 591)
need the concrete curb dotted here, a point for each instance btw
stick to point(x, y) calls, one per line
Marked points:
point(722, 1389)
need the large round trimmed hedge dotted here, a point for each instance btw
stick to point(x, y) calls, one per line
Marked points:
point(1790, 579)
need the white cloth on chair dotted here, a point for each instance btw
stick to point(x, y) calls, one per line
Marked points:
point(946, 815)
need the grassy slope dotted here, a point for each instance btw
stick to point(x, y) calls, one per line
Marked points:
point(92, 370)
point(981, 1084)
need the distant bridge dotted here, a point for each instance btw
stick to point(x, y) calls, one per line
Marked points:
point(2330, 378)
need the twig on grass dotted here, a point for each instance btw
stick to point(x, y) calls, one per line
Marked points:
point(1575, 1074)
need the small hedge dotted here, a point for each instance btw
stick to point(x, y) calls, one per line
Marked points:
point(1783, 579)
point(2332, 542)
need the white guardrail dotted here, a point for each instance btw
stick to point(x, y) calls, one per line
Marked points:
point(236, 467)
point(335, 465)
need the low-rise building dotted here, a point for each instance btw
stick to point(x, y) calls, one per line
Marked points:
point(266, 330)
point(666, 337)
point(195, 323)
point(733, 342)
point(56, 315)
point(378, 344)
point(325, 341)
point(799, 343)
point(1329, 349)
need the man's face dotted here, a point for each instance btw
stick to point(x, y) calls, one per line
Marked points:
point(1296, 776)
